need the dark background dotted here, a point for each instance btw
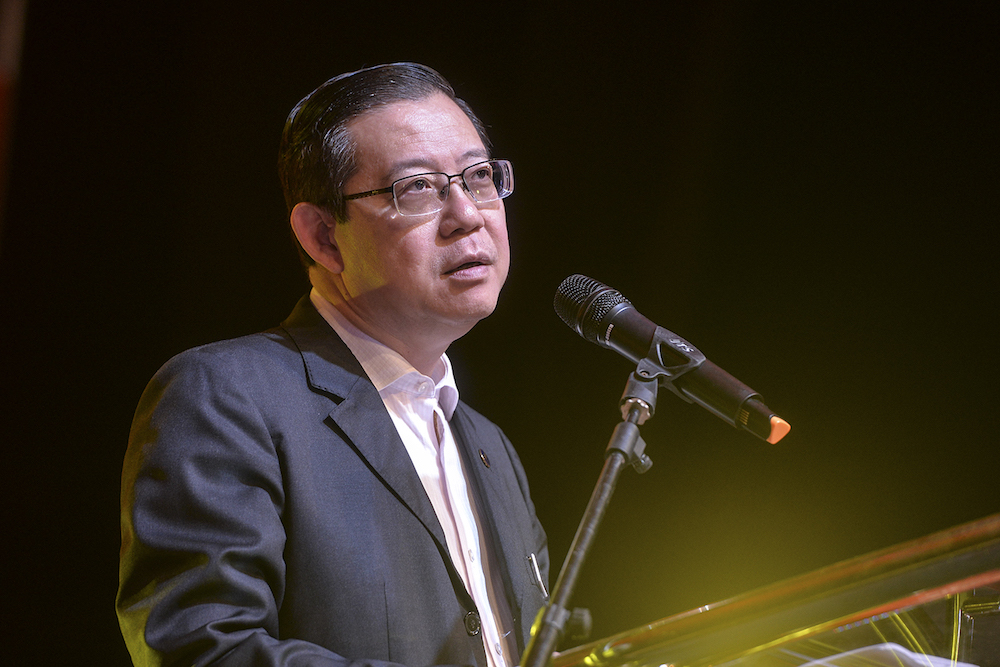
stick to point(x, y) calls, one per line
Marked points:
point(807, 193)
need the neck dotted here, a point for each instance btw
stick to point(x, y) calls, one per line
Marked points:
point(423, 352)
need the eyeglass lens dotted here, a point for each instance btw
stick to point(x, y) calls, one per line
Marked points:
point(426, 193)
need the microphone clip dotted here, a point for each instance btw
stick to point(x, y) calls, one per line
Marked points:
point(669, 357)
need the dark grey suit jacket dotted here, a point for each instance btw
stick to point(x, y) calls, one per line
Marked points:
point(271, 515)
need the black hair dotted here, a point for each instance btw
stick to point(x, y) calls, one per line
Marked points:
point(317, 153)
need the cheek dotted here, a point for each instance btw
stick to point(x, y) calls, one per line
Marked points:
point(505, 259)
point(365, 263)
point(415, 249)
point(502, 244)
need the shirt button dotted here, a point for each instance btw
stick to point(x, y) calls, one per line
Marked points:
point(422, 387)
point(472, 623)
point(472, 556)
point(497, 647)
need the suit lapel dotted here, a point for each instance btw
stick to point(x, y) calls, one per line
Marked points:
point(367, 426)
point(359, 413)
point(496, 512)
point(494, 494)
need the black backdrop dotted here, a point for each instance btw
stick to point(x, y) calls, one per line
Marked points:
point(809, 194)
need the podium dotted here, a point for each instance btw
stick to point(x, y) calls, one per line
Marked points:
point(931, 602)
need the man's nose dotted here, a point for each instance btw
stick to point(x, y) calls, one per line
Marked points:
point(461, 213)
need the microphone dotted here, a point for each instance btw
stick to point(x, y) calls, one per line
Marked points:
point(603, 316)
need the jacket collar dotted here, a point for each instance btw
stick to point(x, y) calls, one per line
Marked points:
point(330, 366)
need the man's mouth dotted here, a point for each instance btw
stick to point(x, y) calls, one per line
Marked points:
point(480, 261)
point(462, 266)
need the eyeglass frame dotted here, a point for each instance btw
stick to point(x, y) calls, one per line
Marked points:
point(465, 185)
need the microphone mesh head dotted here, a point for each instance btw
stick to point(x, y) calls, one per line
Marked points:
point(582, 303)
point(571, 294)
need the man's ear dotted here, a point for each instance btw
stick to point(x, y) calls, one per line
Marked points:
point(315, 229)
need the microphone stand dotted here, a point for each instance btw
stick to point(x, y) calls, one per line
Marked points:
point(626, 446)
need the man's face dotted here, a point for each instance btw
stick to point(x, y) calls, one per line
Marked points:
point(429, 276)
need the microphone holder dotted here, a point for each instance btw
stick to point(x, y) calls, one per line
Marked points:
point(626, 447)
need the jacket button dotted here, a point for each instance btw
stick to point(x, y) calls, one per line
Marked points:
point(472, 623)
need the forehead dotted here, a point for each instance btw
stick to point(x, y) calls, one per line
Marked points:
point(432, 133)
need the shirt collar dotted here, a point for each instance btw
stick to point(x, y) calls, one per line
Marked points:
point(384, 365)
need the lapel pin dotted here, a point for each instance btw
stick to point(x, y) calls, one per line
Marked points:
point(486, 459)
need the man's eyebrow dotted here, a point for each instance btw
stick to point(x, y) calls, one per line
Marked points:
point(476, 152)
point(420, 165)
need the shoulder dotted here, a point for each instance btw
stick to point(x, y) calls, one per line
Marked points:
point(258, 358)
point(261, 355)
point(273, 347)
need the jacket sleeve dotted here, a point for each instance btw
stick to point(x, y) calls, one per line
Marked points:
point(201, 569)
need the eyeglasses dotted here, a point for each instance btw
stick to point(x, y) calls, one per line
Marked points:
point(426, 193)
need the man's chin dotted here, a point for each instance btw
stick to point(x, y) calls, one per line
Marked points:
point(471, 313)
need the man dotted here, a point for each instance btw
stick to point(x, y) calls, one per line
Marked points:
point(317, 494)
